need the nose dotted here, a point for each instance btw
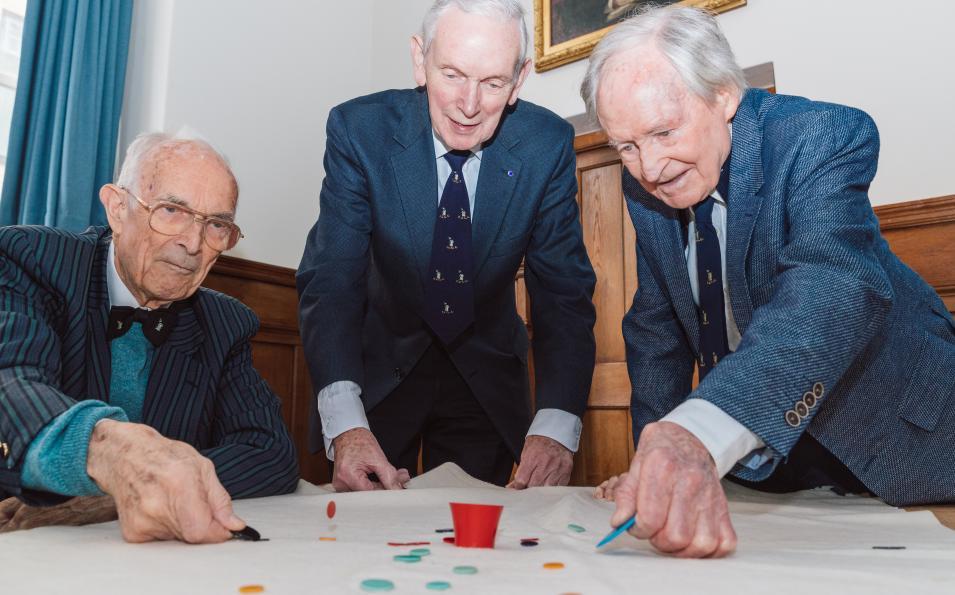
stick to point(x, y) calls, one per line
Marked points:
point(191, 239)
point(651, 163)
point(470, 100)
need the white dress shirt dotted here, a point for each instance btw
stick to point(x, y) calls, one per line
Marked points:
point(339, 403)
point(728, 441)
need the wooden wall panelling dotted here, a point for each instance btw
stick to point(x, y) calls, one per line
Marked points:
point(277, 348)
point(922, 234)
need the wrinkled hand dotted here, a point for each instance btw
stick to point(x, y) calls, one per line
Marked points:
point(357, 454)
point(544, 462)
point(674, 488)
point(163, 489)
point(87, 510)
point(605, 491)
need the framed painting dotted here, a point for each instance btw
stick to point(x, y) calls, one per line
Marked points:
point(567, 30)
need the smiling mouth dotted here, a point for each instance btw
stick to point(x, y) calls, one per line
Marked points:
point(672, 181)
point(464, 127)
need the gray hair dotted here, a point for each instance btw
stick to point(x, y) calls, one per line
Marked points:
point(688, 37)
point(147, 147)
point(506, 10)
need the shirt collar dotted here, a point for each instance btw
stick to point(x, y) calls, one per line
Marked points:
point(440, 148)
point(119, 294)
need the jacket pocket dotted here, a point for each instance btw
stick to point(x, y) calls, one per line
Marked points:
point(931, 385)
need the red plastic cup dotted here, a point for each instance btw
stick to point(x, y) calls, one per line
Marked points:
point(475, 525)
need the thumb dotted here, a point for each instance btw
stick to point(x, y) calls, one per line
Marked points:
point(522, 477)
point(221, 505)
point(625, 497)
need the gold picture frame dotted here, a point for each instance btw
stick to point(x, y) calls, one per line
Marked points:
point(548, 55)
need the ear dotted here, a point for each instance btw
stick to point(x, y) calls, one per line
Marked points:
point(417, 60)
point(115, 203)
point(521, 76)
point(727, 99)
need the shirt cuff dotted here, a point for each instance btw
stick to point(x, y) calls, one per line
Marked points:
point(56, 459)
point(341, 409)
point(727, 440)
point(558, 425)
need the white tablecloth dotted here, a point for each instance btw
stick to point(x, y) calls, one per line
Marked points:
point(787, 544)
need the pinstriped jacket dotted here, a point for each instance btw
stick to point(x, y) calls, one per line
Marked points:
point(202, 390)
point(839, 338)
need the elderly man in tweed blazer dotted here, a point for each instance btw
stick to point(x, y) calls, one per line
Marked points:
point(120, 376)
point(823, 360)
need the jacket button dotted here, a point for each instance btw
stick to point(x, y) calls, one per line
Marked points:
point(801, 409)
point(792, 418)
point(809, 399)
point(4, 450)
point(818, 389)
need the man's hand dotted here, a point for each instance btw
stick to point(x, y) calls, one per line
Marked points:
point(605, 491)
point(87, 510)
point(544, 462)
point(163, 488)
point(674, 489)
point(357, 454)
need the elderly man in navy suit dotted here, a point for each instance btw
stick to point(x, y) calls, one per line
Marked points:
point(432, 198)
point(823, 360)
point(121, 376)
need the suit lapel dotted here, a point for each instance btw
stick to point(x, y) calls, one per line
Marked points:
point(500, 170)
point(176, 378)
point(97, 317)
point(670, 237)
point(746, 178)
point(417, 179)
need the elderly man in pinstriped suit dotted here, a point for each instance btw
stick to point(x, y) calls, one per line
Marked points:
point(122, 381)
point(823, 359)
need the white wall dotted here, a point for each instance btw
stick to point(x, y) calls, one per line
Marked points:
point(894, 60)
point(258, 79)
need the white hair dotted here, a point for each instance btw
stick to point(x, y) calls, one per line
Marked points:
point(506, 10)
point(148, 146)
point(689, 38)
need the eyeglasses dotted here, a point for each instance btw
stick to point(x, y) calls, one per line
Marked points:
point(172, 219)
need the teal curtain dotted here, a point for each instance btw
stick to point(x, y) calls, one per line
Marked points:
point(66, 112)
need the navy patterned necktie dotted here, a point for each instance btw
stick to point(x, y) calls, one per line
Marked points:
point(449, 296)
point(709, 274)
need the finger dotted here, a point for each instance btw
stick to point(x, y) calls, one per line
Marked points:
point(653, 497)
point(403, 477)
point(357, 480)
point(727, 537)
point(388, 476)
point(686, 531)
point(539, 474)
point(523, 475)
point(624, 494)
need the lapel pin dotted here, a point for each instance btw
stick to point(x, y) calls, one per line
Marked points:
point(510, 173)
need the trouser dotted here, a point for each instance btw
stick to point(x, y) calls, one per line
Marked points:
point(434, 409)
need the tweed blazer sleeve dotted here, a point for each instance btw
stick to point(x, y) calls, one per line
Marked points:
point(831, 295)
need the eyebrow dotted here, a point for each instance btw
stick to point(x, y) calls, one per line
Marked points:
point(178, 201)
